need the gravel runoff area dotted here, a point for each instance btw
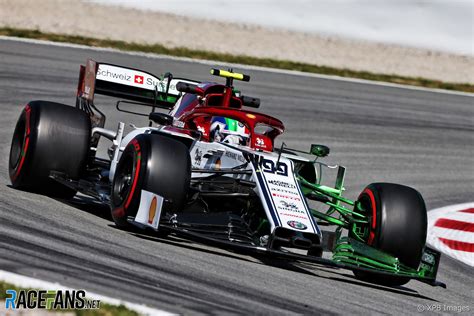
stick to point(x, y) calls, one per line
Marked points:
point(109, 22)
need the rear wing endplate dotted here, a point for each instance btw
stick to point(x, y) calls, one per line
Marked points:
point(127, 83)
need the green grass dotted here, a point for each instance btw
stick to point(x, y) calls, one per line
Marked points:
point(104, 310)
point(239, 59)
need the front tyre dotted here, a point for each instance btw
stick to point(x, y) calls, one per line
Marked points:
point(155, 163)
point(397, 226)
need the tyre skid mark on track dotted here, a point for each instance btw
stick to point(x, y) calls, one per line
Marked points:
point(234, 65)
point(169, 290)
point(115, 276)
point(28, 282)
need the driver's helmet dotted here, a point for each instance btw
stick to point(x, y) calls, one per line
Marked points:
point(229, 131)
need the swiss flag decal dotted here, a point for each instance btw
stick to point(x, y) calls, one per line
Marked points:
point(138, 79)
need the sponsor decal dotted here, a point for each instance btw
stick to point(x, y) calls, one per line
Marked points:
point(149, 211)
point(89, 80)
point(289, 207)
point(152, 210)
point(282, 184)
point(213, 159)
point(267, 165)
point(286, 197)
point(198, 157)
point(262, 142)
point(218, 164)
point(428, 258)
point(202, 130)
point(297, 225)
point(43, 299)
point(285, 204)
point(129, 77)
point(294, 215)
point(284, 191)
point(151, 82)
point(138, 79)
point(113, 75)
point(234, 156)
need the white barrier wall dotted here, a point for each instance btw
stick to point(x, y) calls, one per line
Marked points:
point(445, 25)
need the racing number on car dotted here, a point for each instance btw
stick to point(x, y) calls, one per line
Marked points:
point(267, 165)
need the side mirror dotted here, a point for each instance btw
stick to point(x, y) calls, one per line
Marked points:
point(319, 150)
point(186, 87)
point(161, 118)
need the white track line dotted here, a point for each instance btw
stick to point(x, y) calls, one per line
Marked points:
point(232, 65)
point(463, 217)
point(448, 209)
point(28, 282)
point(456, 235)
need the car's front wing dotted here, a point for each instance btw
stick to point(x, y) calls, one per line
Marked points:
point(426, 273)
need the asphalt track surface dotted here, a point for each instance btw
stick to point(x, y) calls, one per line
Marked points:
point(418, 138)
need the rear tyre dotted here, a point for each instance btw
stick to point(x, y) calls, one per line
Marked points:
point(398, 225)
point(154, 163)
point(48, 136)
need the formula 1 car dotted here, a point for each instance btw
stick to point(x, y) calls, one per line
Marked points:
point(209, 170)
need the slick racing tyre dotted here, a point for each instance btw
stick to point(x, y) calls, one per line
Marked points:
point(48, 136)
point(154, 163)
point(397, 226)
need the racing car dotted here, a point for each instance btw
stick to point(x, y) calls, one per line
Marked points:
point(206, 167)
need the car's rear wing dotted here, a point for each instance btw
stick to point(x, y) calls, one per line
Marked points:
point(127, 83)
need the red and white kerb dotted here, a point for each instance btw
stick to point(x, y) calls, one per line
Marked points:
point(451, 231)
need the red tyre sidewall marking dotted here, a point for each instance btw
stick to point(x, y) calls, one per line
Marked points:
point(120, 211)
point(371, 196)
point(138, 155)
point(26, 142)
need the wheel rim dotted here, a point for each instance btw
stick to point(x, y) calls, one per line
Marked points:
point(368, 207)
point(123, 179)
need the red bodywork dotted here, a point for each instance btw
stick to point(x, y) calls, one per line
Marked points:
point(195, 110)
point(215, 100)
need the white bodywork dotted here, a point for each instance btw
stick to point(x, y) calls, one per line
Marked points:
point(276, 184)
point(282, 199)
